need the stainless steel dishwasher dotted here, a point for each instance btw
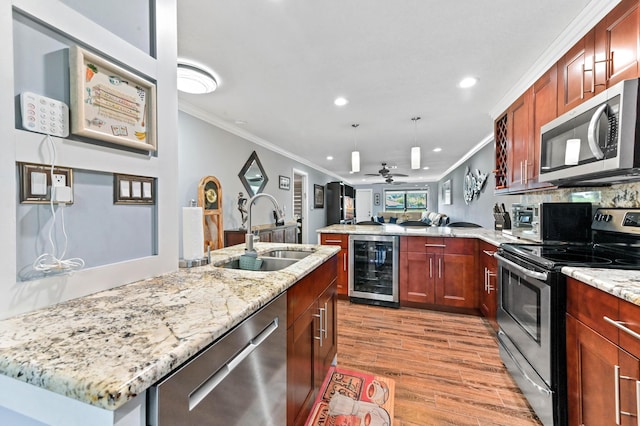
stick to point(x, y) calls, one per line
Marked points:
point(239, 380)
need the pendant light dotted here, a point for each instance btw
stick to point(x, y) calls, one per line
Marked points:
point(415, 151)
point(355, 154)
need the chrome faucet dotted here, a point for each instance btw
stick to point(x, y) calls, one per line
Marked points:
point(249, 238)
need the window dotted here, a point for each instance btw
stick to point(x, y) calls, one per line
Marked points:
point(405, 200)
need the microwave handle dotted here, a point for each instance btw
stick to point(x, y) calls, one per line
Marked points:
point(594, 129)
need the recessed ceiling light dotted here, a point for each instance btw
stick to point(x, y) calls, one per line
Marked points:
point(425, 168)
point(240, 122)
point(195, 80)
point(341, 101)
point(467, 82)
point(437, 149)
point(329, 157)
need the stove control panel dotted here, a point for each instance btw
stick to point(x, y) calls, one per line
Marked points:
point(617, 220)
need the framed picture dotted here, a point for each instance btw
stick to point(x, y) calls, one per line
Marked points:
point(446, 192)
point(318, 196)
point(128, 189)
point(109, 103)
point(284, 183)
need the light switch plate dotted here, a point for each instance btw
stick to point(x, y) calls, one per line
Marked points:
point(38, 183)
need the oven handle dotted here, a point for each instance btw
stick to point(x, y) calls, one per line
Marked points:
point(542, 276)
point(547, 392)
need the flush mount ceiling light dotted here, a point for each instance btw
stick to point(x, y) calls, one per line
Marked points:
point(467, 82)
point(340, 101)
point(355, 155)
point(194, 80)
point(415, 151)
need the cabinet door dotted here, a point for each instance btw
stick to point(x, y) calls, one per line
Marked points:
point(518, 142)
point(455, 284)
point(616, 43)
point(489, 284)
point(301, 389)
point(544, 108)
point(574, 81)
point(265, 236)
point(277, 235)
point(343, 272)
point(417, 278)
point(591, 361)
point(291, 234)
point(326, 345)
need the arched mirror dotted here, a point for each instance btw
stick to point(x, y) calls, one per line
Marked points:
point(253, 176)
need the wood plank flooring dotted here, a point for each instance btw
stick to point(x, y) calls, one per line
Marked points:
point(446, 366)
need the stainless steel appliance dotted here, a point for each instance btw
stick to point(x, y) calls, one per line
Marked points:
point(544, 222)
point(532, 303)
point(595, 143)
point(239, 380)
point(373, 269)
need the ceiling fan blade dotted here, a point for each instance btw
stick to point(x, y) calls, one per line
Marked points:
point(398, 175)
point(372, 174)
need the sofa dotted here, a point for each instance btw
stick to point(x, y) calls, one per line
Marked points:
point(431, 218)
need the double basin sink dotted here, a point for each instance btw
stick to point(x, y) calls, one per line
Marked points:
point(273, 260)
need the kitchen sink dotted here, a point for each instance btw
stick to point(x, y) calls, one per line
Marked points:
point(268, 264)
point(288, 254)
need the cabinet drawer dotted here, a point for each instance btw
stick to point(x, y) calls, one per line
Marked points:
point(341, 240)
point(460, 245)
point(422, 244)
point(590, 305)
point(630, 315)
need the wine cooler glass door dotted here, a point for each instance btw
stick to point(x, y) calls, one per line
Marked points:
point(373, 269)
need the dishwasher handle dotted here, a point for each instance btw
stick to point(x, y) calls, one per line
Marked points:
point(202, 391)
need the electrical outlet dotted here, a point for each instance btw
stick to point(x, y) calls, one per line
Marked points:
point(59, 180)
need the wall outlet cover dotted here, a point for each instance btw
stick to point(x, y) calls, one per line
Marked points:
point(59, 180)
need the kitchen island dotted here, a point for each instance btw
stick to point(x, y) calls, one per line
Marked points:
point(91, 359)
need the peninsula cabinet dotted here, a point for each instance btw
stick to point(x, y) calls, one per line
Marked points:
point(603, 365)
point(489, 293)
point(437, 271)
point(311, 338)
point(341, 240)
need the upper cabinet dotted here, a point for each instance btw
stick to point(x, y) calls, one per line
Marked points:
point(606, 55)
point(517, 134)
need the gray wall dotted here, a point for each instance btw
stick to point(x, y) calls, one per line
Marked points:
point(207, 150)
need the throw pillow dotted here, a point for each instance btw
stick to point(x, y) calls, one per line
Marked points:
point(380, 219)
point(393, 219)
point(426, 220)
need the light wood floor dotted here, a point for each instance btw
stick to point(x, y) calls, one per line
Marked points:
point(446, 366)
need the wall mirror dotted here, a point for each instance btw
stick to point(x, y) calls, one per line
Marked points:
point(253, 176)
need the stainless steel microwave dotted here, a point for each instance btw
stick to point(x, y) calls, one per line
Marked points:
point(598, 142)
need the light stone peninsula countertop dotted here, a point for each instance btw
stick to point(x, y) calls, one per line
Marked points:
point(624, 284)
point(106, 348)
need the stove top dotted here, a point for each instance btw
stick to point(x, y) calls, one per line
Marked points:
point(615, 244)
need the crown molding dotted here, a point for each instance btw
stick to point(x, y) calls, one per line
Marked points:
point(592, 13)
point(216, 121)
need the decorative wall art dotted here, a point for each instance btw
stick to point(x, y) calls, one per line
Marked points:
point(472, 184)
point(318, 196)
point(446, 192)
point(284, 183)
point(109, 103)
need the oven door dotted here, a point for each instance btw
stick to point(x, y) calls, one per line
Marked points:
point(524, 302)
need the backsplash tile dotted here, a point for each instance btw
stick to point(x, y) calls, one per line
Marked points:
point(621, 195)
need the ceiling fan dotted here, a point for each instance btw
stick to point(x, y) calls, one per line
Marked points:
point(386, 173)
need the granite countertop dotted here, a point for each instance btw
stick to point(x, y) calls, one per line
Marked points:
point(106, 348)
point(624, 284)
point(489, 235)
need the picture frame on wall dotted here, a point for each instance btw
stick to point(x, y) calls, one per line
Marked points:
point(284, 183)
point(109, 103)
point(446, 192)
point(318, 196)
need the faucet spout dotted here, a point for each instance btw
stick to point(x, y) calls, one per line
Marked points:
point(250, 239)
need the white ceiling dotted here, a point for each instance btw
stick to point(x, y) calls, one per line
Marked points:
point(281, 63)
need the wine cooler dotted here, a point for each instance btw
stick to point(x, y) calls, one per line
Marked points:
point(373, 270)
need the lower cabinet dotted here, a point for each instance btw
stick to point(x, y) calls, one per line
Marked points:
point(603, 365)
point(341, 240)
point(489, 293)
point(438, 271)
point(311, 338)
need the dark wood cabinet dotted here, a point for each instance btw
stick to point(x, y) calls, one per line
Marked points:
point(437, 271)
point(234, 236)
point(311, 338)
point(518, 142)
point(544, 108)
point(341, 240)
point(603, 365)
point(275, 234)
point(575, 74)
point(489, 282)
